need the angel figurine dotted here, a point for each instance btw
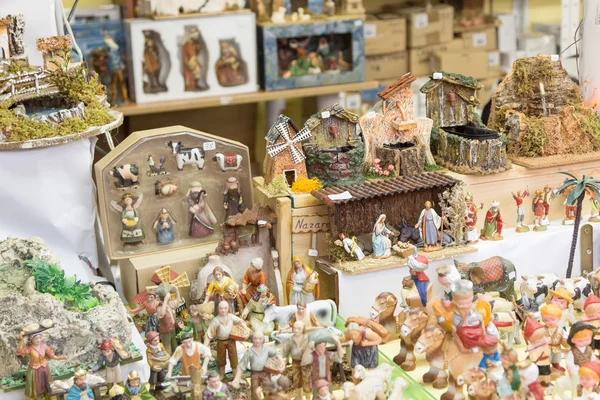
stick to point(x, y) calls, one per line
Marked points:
point(163, 225)
point(131, 230)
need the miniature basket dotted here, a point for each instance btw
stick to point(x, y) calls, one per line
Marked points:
point(239, 333)
point(403, 251)
point(308, 287)
point(230, 289)
point(130, 223)
point(274, 366)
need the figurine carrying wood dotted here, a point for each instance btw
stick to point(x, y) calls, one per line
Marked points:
point(430, 223)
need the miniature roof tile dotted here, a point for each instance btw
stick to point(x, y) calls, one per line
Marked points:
point(404, 81)
point(54, 43)
point(387, 187)
point(336, 110)
point(273, 134)
point(452, 78)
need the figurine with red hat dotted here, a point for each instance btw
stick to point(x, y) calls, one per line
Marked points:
point(418, 264)
point(580, 339)
point(322, 387)
point(589, 376)
point(551, 316)
point(157, 357)
point(538, 349)
point(111, 361)
point(591, 308)
point(530, 385)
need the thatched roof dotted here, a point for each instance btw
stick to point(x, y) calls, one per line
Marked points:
point(334, 110)
point(404, 81)
point(453, 79)
point(273, 134)
point(252, 216)
point(53, 43)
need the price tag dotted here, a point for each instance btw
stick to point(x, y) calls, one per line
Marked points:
point(438, 75)
point(313, 253)
point(209, 146)
point(370, 31)
point(421, 20)
point(325, 114)
point(493, 59)
point(353, 102)
point(512, 275)
point(554, 57)
point(479, 39)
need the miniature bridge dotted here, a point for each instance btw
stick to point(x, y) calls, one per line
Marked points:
point(25, 86)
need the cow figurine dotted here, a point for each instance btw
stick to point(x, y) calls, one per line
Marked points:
point(228, 162)
point(579, 289)
point(325, 311)
point(187, 155)
point(127, 176)
point(495, 274)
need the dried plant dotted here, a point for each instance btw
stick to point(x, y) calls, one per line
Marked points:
point(453, 205)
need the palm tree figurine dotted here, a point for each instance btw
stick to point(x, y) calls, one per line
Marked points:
point(576, 189)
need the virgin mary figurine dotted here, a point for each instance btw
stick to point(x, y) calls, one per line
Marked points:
point(382, 245)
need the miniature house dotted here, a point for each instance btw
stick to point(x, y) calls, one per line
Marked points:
point(55, 50)
point(11, 37)
point(335, 151)
point(393, 134)
point(4, 40)
point(463, 144)
point(284, 151)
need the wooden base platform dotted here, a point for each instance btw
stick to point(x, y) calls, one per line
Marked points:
point(555, 161)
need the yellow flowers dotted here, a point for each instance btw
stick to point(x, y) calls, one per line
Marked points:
point(304, 185)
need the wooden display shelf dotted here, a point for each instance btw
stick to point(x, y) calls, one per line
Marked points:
point(246, 98)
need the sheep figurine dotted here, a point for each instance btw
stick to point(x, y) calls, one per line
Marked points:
point(399, 385)
point(382, 371)
point(371, 388)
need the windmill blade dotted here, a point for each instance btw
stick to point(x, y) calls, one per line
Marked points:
point(164, 274)
point(302, 135)
point(276, 149)
point(284, 130)
point(297, 155)
point(181, 281)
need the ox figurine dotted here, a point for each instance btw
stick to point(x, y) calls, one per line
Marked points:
point(325, 311)
point(187, 155)
point(228, 162)
point(495, 274)
point(127, 176)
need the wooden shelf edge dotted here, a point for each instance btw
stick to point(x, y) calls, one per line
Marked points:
point(245, 98)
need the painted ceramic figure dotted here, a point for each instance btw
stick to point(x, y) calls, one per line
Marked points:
point(203, 219)
point(230, 67)
point(255, 310)
point(510, 383)
point(492, 228)
point(351, 246)
point(116, 393)
point(214, 386)
point(233, 201)
point(135, 389)
point(299, 277)
point(520, 202)
point(151, 307)
point(589, 376)
point(131, 231)
point(163, 225)
point(127, 176)
point(220, 330)
point(530, 385)
point(364, 346)
point(591, 308)
point(111, 361)
point(570, 212)
point(157, 357)
point(166, 323)
point(471, 233)
point(491, 358)
point(116, 68)
point(37, 378)
point(253, 277)
point(547, 196)
point(595, 209)
point(192, 68)
point(447, 275)
point(417, 265)
point(551, 316)
point(221, 288)
point(152, 64)
point(80, 389)
point(308, 319)
point(201, 317)
point(191, 354)
point(430, 223)
point(580, 339)
point(382, 245)
point(320, 359)
point(294, 347)
point(539, 210)
point(562, 298)
point(255, 359)
point(538, 349)
point(156, 169)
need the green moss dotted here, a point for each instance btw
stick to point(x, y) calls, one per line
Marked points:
point(17, 67)
point(590, 125)
point(434, 141)
point(527, 73)
point(452, 77)
point(75, 85)
point(534, 140)
point(278, 186)
point(500, 118)
point(97, 115)
point(433, 168)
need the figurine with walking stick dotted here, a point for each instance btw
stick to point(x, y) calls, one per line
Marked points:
point(430, 223)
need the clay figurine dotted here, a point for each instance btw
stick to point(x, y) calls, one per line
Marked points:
point(323, 389)
point(203, 219)
point(191, 354)
point(595, 209)
point(274, 390)
point(562, 298)
point(116, 69)
point(319, 359)
point(221, 288)
point(510, 382)
point(80, 388)
point(530, 385)
point(200, 316)
point(220, 330)
point(110, 360)
point(589, 376)
point(253, 277)
point(134, 389)
point(131, 231)
point(472, 235)
point(447, 275)
point(187, 155)
point(382, 245)
point(151, 307)
point(214, 386)
point(294, 347)
point(364, 346)
point(228, 162)
point(547, 196)
point(299, 277)
point(492, 228)
point(591, 308)
point(551, 316)
point(191, 50)
point(430, 223)
point(255, 310)
point(165, 187)
point(152, 64)
point(163, 225)
point(351, 246)
point(417, 265)
point(307, 317)
point(157, 357)
point(494, 274)
point(233, 201)
point(570, 212)
point(539, 211)
point(166, 323)
point(520, 200)
point(538, 349)
point(156, 169)
point(117, 393)
point(127, 176)
point(230, 68)
point(38, 378)
point(255, 358)
point(580, 339)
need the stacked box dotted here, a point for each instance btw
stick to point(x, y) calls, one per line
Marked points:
point(385, 46)
point(427, 28)
point(480, 57)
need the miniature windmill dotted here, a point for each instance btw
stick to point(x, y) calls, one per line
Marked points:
point(289, 143)
point(166, 275)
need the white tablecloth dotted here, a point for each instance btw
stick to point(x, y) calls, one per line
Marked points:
point(531, 252)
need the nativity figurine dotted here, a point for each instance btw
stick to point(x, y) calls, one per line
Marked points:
point(163, 225)
point(302, 283)
point(131, 230)
point(221, 288)
point(233, 202)
point(351, 246)
point(471, 233)
point(430, 224)
point(382, 245)
point(202, 217)
point(492, 227)
point(254, 277)
point(111, 361)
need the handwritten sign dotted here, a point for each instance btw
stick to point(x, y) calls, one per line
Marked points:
point(310, 223)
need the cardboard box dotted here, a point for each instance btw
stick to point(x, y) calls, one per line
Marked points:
point(384, 34)
point(507, 33)
point(537, 43)
point(386, 66)
point(421, 60)
point(480, 39)
point(477, 64)
point(429, 28)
